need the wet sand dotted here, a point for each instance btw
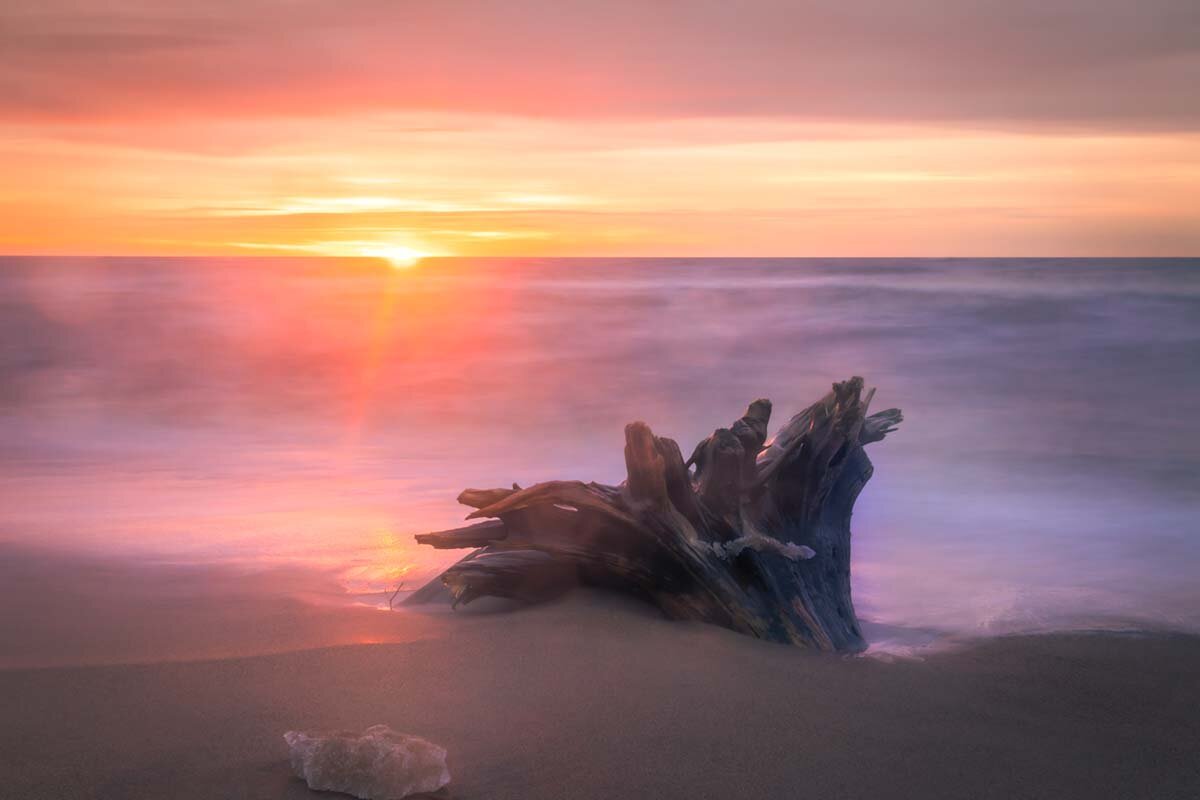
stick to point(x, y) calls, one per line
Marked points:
point(593, 697)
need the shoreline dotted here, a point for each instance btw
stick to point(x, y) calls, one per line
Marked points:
point(590, 698)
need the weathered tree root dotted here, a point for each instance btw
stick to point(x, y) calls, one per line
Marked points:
point(750, 534)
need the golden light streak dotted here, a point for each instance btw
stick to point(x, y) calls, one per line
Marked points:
point(397, 255)
point(504, 186)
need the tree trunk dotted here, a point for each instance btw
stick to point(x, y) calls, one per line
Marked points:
point(750, 534)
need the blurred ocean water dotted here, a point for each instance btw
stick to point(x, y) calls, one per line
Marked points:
point(315, 411)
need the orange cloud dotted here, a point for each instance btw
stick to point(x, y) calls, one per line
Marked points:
point(599, 128)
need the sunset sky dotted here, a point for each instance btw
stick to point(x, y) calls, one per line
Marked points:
point(622, 127)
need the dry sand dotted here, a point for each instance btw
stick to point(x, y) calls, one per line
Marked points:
point(597, 698)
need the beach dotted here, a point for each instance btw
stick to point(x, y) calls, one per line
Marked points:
point(600, 400)
point(597, 697)
point(197, 554)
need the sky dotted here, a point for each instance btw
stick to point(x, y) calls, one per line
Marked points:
point(618, 127)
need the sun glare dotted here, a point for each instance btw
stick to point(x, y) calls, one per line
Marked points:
point(398, 256)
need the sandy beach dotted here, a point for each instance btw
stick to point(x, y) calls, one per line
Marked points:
point(593, 697)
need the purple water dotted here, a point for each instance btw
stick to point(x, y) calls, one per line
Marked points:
point(316, 413)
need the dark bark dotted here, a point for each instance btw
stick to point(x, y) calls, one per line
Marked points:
point(480, 534)
point(755, 538)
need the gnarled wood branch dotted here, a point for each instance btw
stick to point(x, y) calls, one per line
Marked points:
point(750, 534)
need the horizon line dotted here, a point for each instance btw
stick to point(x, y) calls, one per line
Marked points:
point(327, 257)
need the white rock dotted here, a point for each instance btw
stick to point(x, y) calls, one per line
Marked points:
point(377, 764)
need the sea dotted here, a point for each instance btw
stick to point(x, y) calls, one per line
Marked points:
point(258, 415)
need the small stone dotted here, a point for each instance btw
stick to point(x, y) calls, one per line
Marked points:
point(377, 764)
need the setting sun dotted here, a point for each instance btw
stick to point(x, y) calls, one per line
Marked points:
point(398, 256)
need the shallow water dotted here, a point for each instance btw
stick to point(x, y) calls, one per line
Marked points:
point(255, 413)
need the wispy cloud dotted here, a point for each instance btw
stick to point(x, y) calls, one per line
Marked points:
point(1091, 63)
point(589, 127)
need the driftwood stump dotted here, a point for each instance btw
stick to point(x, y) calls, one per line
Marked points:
point(750, 534)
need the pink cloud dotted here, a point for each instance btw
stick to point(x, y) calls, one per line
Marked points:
point(1085, 62)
